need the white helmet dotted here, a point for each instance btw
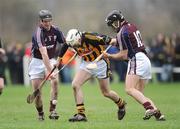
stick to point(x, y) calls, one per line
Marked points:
point(73, 37)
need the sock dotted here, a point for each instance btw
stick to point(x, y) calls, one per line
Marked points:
point(80, 108)
point(120, 103)
point(40, 110)
point(52, 106)
point(147, 105)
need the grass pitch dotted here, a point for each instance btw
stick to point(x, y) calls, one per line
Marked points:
point(101, 112)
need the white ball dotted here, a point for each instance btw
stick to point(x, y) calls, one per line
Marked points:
point(54, 102)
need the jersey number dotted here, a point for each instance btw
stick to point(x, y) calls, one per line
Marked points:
point(137, 35)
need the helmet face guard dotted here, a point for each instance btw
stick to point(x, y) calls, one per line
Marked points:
point(73, 38)
point(114, 19)
point(109, 22)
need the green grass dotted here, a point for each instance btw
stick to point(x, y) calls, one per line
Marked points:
point(15, 113)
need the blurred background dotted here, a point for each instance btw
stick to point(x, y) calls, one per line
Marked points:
point(18, 17)
point(158, 21)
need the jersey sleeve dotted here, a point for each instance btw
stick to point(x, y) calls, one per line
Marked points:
point(39, 38)
point(97, 39)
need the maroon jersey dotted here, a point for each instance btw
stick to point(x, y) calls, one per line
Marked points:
point(49, 39)
point(129, 37)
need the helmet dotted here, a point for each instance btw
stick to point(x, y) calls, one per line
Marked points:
point(45, 15)
point(114, 15)
point(73, 37)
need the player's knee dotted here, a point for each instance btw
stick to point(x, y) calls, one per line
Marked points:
point(1, 86)
point(75, 84)
point(106, 93)
point(129, 91)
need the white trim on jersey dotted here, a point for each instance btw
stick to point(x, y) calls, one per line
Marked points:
point(119, 41)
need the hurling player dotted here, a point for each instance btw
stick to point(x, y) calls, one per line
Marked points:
point(89, 46)
point(131, 47)
point(44, 43)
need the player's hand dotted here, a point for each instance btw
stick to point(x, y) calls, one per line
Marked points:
point(2, 51)
point(113, 42)
point(105, 54)
point(51, 77)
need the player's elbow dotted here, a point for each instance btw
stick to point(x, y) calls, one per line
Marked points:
point(43, 51)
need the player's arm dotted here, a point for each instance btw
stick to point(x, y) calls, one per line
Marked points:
point(105, 39)
point(45, 58)
point(97, 39)
point(122, 55)
point(42, 48)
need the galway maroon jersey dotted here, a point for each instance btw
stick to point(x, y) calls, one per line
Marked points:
point(49, 39)
point(129, 37)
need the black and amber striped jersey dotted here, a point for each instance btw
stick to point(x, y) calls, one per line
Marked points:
point(92, 44)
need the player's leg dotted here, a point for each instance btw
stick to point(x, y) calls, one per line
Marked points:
point(148, 104)
point(37, 73)
point(80, 78)
point(2, 70)
point(132, 81)
point(107, 92)
point(134, 88)
point(150, 112)
point(143, 69)
point(1, 84)
point(38, 100)
point(141, 87)
point(138, 68)
point(53, 98)
point(53, 95)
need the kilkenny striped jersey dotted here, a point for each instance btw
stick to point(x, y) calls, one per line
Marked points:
point(92, 44)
